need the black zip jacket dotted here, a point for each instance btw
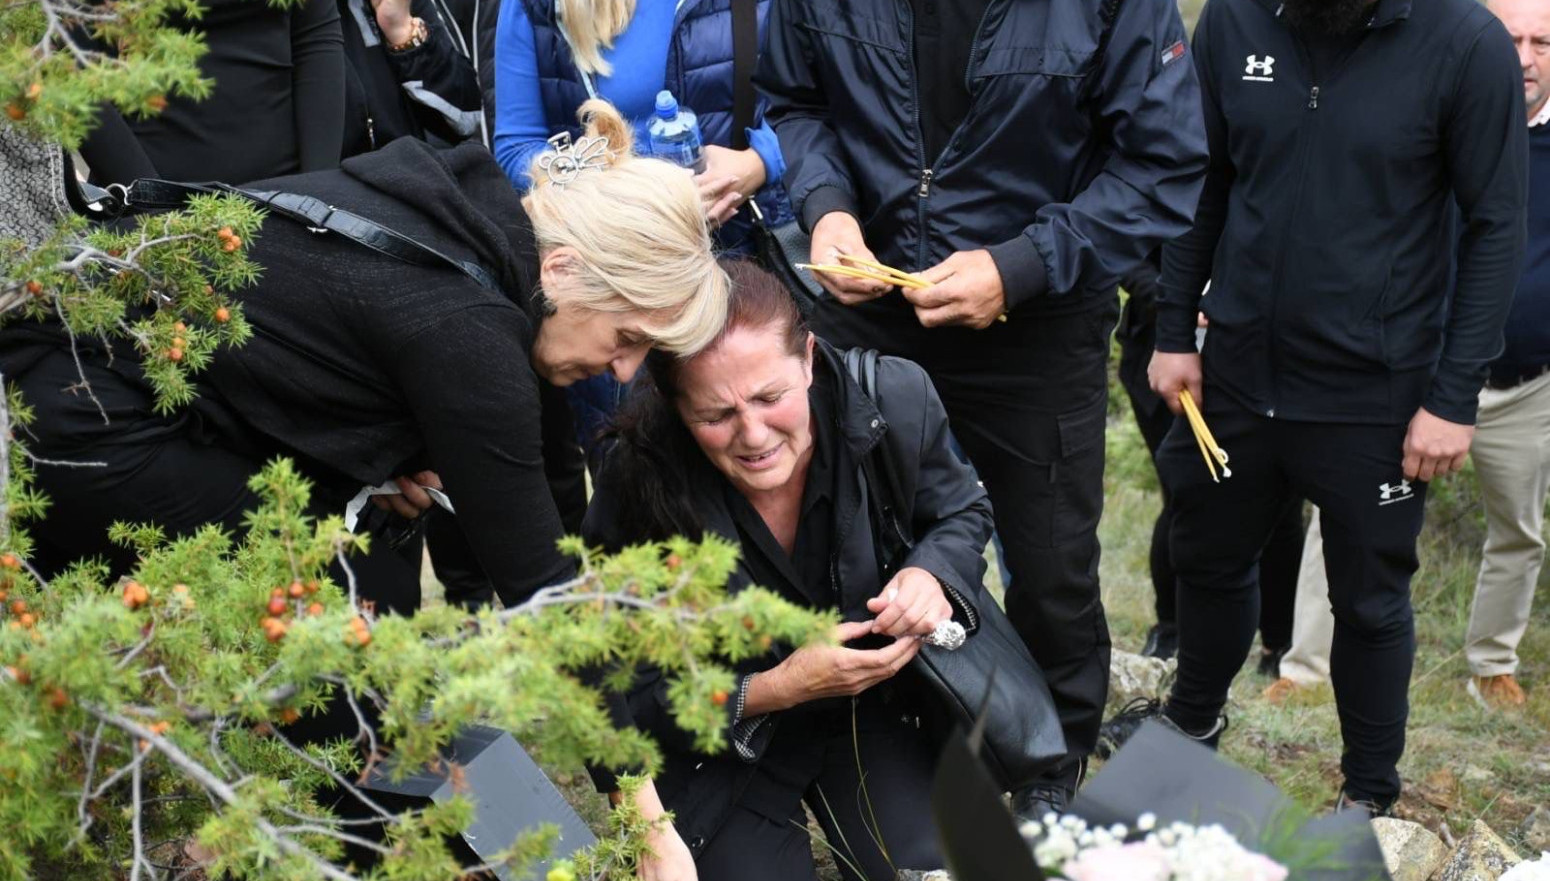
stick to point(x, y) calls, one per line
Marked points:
point(1327, 219)
point(430, 89)
point(951, 518)
point(1070, 165)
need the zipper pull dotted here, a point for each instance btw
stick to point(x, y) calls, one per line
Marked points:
point(371, 132)
point(1313, 98)
point(925, 182)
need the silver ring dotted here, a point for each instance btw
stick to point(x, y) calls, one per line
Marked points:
point(948, 635)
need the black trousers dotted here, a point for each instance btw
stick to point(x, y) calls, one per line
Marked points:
point(1371, 518)
point(1027, 401)
point(1282, 559)
point(870, 791)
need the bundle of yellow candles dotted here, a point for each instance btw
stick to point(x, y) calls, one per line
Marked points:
point(869, 270)
point(1209, 449)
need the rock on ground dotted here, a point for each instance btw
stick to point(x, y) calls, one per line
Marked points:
point(1410, 850)
point(1480, 856)
point(1535, 831)
point(1132, 676)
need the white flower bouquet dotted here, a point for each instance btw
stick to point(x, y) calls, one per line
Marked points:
point(1065, 847)
point(1531, 870)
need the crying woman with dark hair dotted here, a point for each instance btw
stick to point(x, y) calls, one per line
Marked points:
point(760, 438)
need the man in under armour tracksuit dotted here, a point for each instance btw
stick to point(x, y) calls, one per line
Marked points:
point(1346, 350)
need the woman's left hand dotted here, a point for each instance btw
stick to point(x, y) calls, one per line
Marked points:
point(912, 604)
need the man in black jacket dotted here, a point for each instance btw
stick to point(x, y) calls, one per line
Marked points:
point(1021, 156)
point(1345, 354)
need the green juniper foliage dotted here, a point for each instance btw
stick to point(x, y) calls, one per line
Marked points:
point(140, 715)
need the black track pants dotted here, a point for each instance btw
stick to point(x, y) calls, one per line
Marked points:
point(1283, 555)
point(1371, 518)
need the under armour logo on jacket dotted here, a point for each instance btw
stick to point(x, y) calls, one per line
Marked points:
point(1389, 493)
point(1260, 71)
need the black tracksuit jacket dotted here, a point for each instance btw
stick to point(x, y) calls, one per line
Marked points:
point(1328, 216)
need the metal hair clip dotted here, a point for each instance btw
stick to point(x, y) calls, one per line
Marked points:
point(566, 161)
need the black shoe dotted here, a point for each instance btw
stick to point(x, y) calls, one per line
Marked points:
point(1123, 725)
point(1347, 802)
point(1033, 803)
point(1116, 732)
point(1162, 642)
point(1270, 662)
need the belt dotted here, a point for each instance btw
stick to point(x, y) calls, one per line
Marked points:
point(1514, 381)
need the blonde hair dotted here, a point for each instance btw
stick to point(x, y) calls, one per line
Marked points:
point(590, 26)
point(639, 230)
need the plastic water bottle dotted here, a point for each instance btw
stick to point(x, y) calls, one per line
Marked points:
point(675, 134)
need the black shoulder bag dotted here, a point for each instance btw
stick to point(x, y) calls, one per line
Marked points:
point(993, 671)
point(776, 248)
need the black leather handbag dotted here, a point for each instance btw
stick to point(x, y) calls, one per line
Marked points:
point(991, 674)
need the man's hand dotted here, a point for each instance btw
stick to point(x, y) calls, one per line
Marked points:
point(1171, 371)
point(1435, 447)
point(819, 671)
point(838, 233)
point(912, 604)
point(965, 290)
point(413, 500)
point(393, 18)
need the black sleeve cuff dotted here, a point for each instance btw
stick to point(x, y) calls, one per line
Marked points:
point(1023, 275)
point(1455, 399)
point(824, 200)
point(1176, 329)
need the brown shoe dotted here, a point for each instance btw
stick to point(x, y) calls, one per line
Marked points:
point(1496, 692)
point(1280, 690)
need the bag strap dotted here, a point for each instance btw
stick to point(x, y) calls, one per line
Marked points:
point(318, 216)
point(881, 473)
point(745, 55)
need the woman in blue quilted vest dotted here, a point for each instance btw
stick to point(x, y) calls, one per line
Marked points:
point(551, 55)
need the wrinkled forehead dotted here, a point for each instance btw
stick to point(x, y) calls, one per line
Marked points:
point(1523, 18)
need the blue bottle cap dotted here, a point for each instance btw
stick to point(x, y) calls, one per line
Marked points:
point(667, 105)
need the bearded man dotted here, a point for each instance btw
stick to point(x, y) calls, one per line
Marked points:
point(1362, 227)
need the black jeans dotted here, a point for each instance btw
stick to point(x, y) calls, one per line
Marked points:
point(1371, 518)
point(1282, 559)
point(1027, 401)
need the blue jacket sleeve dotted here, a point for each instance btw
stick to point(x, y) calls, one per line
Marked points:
point(1149, 103)
point(799, 114)
point(521, 128)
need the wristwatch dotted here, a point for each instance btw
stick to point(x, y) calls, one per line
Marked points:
point(418, 34)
